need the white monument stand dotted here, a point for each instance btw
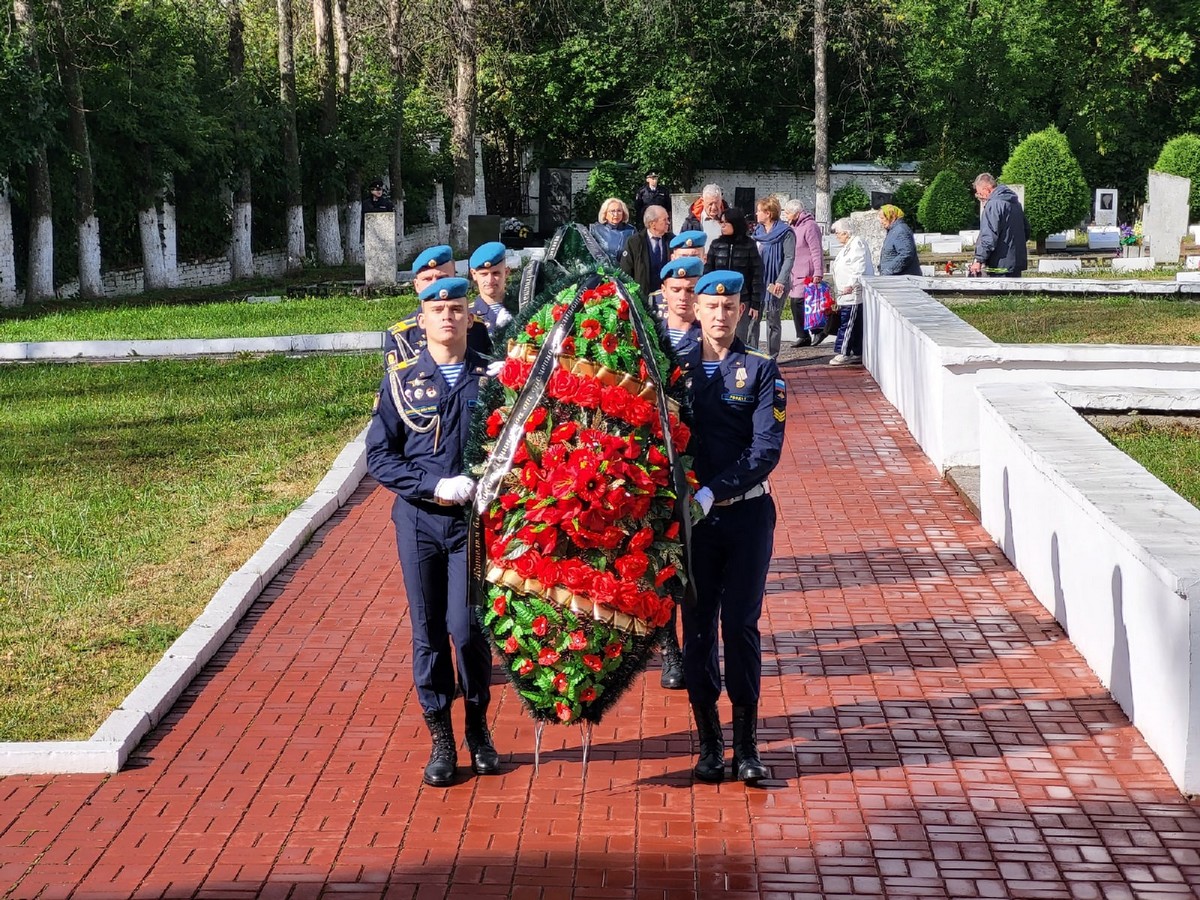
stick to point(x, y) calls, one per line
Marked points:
point(379, 247)
point(1165, 221)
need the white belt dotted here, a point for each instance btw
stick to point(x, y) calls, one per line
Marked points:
point(763, 487)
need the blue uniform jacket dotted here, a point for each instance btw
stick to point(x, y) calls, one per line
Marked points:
point(406, 339)
point(488, 315)
point(738, 419)
point(690, 338)
point(410, 453)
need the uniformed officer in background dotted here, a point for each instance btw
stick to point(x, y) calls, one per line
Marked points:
point(739, 406)
point(489, 271)
point(405, 339)
point(414, 448)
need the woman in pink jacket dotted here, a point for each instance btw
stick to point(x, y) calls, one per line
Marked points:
point(809, 263)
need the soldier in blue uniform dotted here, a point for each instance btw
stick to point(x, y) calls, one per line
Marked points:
point(677, 310)
point(688, 243)
point(405, 339)
point(415, 448)
point(739, 407)
point(489, 271)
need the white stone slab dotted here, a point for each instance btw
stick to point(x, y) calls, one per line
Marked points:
point(969, 237)
point(1103, 238)
point(1059, 265)
point(1132, 264)
point(379, 247)
point(1187, 277)
point(944, 244)
point(1166, 219)
point(1104, 210)
point(928, 271)
point(1195, 230)
point(1191, 262)
point(268, 298)
point(1056, 242)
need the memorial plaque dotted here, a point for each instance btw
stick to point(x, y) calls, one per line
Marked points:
point(743, 199)
point(1166, 218)
point(1105, 209)
point(379, 248)
point(880, 199)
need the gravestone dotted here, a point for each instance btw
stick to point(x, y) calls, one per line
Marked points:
point(482, 230)
point(1191, 262)
point(1132, 264)
point(1059, 265)
point(867, 226)
point(1056, 241)
point(970, 236)
point(1166, 219)
point(743, 199)
point(1104, 211)
point(945, 243)
point(379, 248)
point(555, 200)
point(1106, 237)
point(880, 198)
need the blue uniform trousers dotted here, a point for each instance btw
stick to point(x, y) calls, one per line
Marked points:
point(432, 542)
point(731, 550)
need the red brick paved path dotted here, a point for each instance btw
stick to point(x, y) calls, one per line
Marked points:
point(931, 732)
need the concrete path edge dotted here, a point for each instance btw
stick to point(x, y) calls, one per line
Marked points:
point(144, 707)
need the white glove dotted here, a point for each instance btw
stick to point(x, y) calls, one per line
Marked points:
point(705, 498)
point(455, 490)
point(494, 368)
point(503, 317)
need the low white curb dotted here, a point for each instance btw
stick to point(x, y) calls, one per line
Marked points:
point(146, 704)
point(98, 351)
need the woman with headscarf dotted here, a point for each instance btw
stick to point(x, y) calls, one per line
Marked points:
point(851, 265)
point(899, 254)
point(611, 228)
point(777, 248)
point(735, 251)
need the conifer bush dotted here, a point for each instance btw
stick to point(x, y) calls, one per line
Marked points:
point(1056, 193)
point(946, 207)
point(849, 198)
point(1181, 156)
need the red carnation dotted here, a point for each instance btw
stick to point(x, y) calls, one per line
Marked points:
point(578, 641)
point(548, 656)
point(613, 650)
point(563, 711)
point(589, 328)
point(560, 683)
point(587, 695)
point(540, 625)
point(656, 457)
point(680, 435)
point(526, 667)
point(609, 343)
point(593, 662)
point(500, 605)
point(511, 645)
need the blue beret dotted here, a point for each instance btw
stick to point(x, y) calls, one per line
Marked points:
point(446, 289)
point(720, 282)
point(684, 267)
point(434, 256)
point(688, 239)
point(487, 255)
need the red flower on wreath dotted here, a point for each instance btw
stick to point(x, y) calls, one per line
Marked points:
point(563, 711)
point(593, 662)
point(578, 641)
point(663, 575)
point(495, 422)
point(568, 346)
point(547, 656)
point(587, 695)
point(613, 650)
point(609, 343)
point(536, 419)
point(526, 667)
point(500, 605)
point(540, 626)
point(632, 566)
point(533, 329)
point(590, 329)
point(511, 645)
point(560, 683)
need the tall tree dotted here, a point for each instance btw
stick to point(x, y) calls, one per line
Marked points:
point(329, 235)
point(395, 46)
point(86, 223)
point(39, 278)
point(462, 119)
point(241, 248)
point(821, 116)
point(294, 194)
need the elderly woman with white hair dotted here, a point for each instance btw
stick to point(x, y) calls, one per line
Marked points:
point(851, 265)
point(611, 228)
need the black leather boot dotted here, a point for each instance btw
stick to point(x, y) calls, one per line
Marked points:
point(484, 758)
point(710, 766)
point(746, 764)
point(443, 758)
point(672, 662)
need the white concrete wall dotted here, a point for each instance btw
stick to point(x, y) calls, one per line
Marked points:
point(928, 363)
point(203, 273)
point(1109, 550)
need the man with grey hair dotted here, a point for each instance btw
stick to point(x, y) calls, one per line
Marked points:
point(705, 214)
point(1003, 230)
point(646, 250)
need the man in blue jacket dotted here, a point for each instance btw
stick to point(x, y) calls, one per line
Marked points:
point(1003, 230)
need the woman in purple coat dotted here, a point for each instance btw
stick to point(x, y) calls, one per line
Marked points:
point(809, 263)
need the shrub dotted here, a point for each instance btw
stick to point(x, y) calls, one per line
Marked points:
point(1056, 193)
point(1181, 156)
point(946, 206)
point(908, 197)
point(608, 179)
point(849, 198)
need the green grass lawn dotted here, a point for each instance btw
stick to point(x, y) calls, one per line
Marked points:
point(129, 493)
point(1170, 452)
point(1059, 319)
point(163, 319)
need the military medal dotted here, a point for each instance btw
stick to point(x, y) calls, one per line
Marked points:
point(741, 376)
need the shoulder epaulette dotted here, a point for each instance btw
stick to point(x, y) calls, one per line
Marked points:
point(757, 353)
point(402, 326)
point(476, 319)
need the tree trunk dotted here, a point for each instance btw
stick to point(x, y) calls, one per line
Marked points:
point(8, 255)
point(86, 223)
point(462, 120)
point(823, 211)
point(166, 221)
point(352, 222)
point(342, 42)
point(39, 279)
point(154, 269)
point(396, 53)
point(291, 144)
point(329, 235)
point(241, 247)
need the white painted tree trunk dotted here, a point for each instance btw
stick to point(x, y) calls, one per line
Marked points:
point(8, 252)
point(90, 282)
point(39, 280)
point(241, 253)
point(295, 232)
point(352, 233)
point(167, 225)
point(329, 236)
point(154, 270)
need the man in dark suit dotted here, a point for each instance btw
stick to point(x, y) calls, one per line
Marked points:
point(647, 250)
